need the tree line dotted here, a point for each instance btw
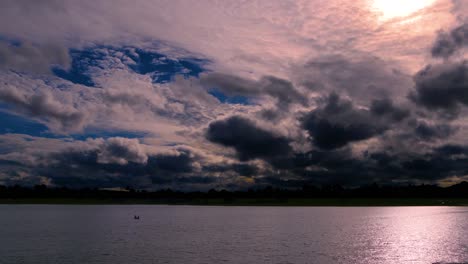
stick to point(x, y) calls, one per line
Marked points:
point(307, 191)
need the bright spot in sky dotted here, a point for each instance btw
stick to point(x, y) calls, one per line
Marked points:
point(399, 8)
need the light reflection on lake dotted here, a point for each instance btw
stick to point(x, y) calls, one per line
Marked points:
point(197, 234)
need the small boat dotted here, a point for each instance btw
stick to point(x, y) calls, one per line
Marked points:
point(136, 217)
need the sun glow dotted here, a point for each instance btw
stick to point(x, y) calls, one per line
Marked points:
point(399, 8)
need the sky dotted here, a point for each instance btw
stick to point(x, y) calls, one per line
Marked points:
point(195, 95)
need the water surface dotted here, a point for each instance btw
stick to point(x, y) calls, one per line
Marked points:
point(198, 234)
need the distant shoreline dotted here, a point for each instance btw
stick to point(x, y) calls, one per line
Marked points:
point(373, 195)
point(250, 202)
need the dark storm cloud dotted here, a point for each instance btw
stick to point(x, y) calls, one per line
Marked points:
point(190, 180)
point(122, 150)
point(244, 169)
point(283, 90)
point(339, 122)
point(112, 162)
point(447, 44)
point(442, 162)
point(270, 114)
point(231, 85)
point(437, 164)
point(177, 171)
point(43, 106)
point(324, 167)
point(181, 163)
point(117, 163)
point(125, 167)
point(442, 87)
point(386, 108)
point(249, 140)
point(241, 169)
point(79, 169)
point(426, 131)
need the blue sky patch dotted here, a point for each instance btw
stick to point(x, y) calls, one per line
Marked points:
point(11, 41)
point(223, 98)
point(12, 123)
point(79, 71)
point(160, 67)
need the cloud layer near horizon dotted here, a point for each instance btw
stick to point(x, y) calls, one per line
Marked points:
point(231, 95)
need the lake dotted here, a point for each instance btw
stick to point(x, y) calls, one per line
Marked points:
point(203, 234)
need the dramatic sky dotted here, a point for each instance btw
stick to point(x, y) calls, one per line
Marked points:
point(194, 95)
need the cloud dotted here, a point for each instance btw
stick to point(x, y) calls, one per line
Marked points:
point(27, 57)
point(121, 151)
point(112, 162)
point(426, 131)
point(323, 88)
point(249, 140)
point(258, 37)
point(242, 169)
point(447, 44)
point(362, 76)
point(44, 106)
point(438, 164)
point(442, 86)
point(281, 90)
point(125, 168)
point(338, 123)
point(460, 9)
point(386, 108)
point(181, 163)
point(325, 167)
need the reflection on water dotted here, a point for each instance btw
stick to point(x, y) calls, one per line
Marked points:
point(190, 234)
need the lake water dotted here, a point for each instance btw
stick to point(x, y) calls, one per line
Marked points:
point(196, 234)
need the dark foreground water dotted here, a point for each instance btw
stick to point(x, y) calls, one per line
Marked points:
point(190, 234)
